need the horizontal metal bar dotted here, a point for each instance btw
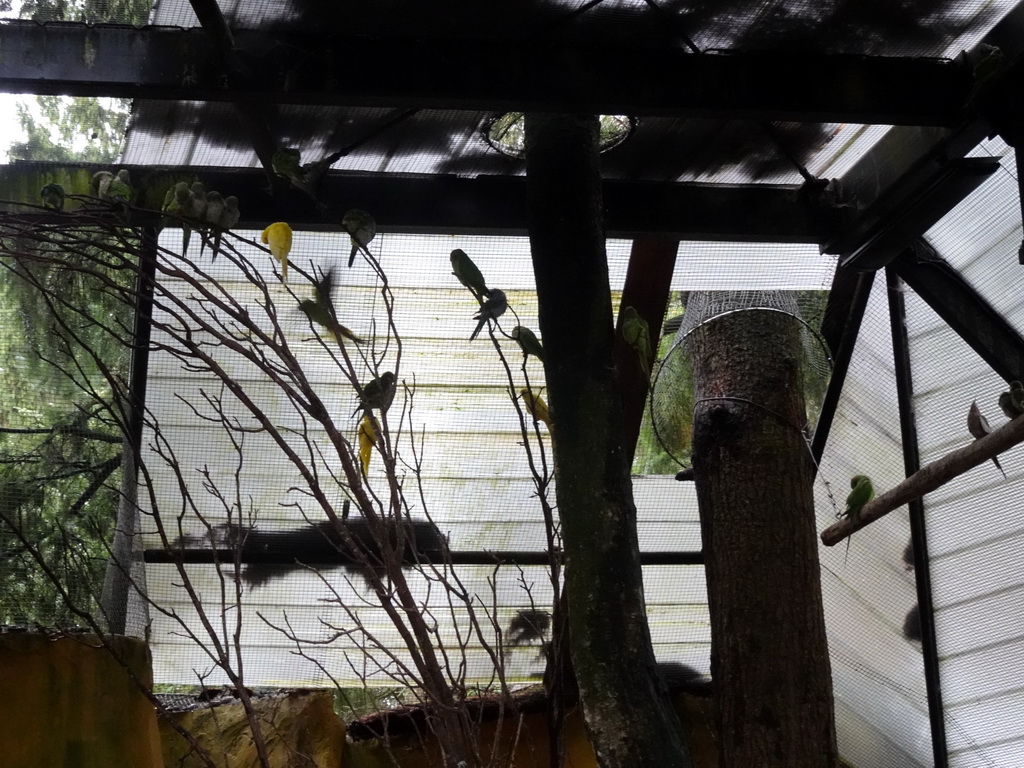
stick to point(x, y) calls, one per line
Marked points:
point(482, 205)
point(480, 557)
point(598, 76)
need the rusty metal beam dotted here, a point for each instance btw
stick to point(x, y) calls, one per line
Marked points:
point(651, 263)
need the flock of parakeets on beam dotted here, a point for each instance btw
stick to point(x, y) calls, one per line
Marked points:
point(110, 187)
point(211, 214)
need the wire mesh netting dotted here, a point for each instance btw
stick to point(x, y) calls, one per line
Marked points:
point(671, 394)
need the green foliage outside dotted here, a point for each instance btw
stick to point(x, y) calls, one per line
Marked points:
point(80, 129)
point(59, 452)
point(90, 11)
point(97, 125)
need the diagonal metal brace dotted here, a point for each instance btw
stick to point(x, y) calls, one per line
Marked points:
point(964, 310)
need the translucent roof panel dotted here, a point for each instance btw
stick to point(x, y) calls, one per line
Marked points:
point(452, 142)
point(412, 140)
point(935, 29)
point(975, 540)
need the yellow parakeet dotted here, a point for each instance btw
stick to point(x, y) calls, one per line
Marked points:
point(536, 406)
point(279, 237)
point(367, 437)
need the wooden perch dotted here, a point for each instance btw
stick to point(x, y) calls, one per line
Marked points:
point(929, 478)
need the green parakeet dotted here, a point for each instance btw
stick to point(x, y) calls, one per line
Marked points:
point(53, 196)
point(378, 393)
point(320, 310)
point(212, 214)
point(491, 309)
point(1009, 408)
point(361, 229)
point(636, 333)
point(528, 342)
point(468, 274)
point(862, 492)
point(287, 162)
point(978, 426)
point(120, 188)
point(278, 236)
point(100, 184)
point(1017, 395)
point(193, 208)
point(229, 217)
point(176, 198)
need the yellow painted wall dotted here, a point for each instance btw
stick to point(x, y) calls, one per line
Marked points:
point(67, 703)
point(305, 732)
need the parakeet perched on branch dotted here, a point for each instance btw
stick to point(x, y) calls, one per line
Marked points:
point(287, 162)
point(1012, 405)
point(278, 236)
point(536, 407)
point(53, 196)
point(197, 201)
point(193, 208)
point(361, 229)
point(491, 309)
point(1017, 396)
point(378, 393)
point(176, 200)
point(862, 492)
point(367, 437)
point(528, 342)
point(120, 187)
point(469, 274)
point(978, 426)
point(212, 214)
point(228, 219)
point(100, 184)
point(320, 309)
point(636, 333)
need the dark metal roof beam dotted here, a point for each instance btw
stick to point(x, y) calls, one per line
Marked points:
point(910, 162)
point(964, 310)
point(360, 70)
point(911, 205)
point(485, 205)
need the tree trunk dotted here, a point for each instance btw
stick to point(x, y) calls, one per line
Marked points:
point(628, 719)
point(769, 655)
